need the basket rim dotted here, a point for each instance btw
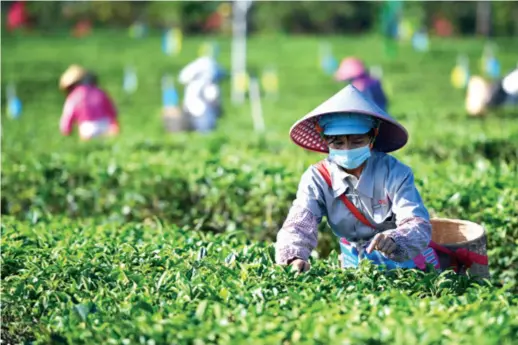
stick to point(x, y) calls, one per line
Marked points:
point(464, 222)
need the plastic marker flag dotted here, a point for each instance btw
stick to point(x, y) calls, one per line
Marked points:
point(177, 39)
point(328, 62)
point(241, 81)
point(166, 43)
point(172, 41)
point(420, 41)
point(209, 49)
point(137, 30)
point(405, 30)
point(489, 63)
point(270, 83)
point(460, 73)
point(255, 105)
point(130, 82)
point(493, 67)
point(172, 114)
point(14, 105)
point(169, 94)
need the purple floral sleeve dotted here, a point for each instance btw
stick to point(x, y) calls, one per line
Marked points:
point(412, 237)
point(297, 237)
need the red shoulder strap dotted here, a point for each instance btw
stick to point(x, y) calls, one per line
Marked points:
point(322, 168)
point(460, 256)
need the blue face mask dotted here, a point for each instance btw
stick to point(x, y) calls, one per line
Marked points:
point(350, 159)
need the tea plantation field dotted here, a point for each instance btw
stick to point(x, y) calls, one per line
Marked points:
point(150, 238)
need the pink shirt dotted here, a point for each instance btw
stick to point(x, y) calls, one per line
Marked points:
point(87, 103)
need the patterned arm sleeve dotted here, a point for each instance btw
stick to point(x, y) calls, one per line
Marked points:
point(414, 231)
point(298, 236)
point(299, 233)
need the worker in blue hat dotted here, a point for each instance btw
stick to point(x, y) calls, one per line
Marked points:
point(369, 197)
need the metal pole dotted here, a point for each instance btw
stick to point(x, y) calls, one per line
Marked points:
point(239, 12)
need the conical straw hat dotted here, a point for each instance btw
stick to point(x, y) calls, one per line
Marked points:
point(392, 135)
point(72, 75)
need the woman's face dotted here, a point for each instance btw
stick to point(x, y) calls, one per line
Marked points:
point(348, 142)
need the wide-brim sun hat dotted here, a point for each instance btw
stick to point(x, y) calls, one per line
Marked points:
point(350, 68)
point(72, 75)
point(391, 136)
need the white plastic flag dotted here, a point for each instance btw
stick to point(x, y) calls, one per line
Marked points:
point(255, 105)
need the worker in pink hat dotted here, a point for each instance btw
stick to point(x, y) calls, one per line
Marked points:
point(86, 106)
point(368, 197)
point(352, 70)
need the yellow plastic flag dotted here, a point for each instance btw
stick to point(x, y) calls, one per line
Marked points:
point(241, 81)
point(204, 49)
point(406, 30)
point(459, 77)
point(270, 81)
point(177, 39)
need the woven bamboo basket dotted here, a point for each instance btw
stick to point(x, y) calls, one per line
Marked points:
point(455, 234)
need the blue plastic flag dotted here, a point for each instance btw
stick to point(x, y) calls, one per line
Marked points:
point(170, 96)
point(493, 67)
point(166, 43)
point(14, 104)
point(14, 107)
point(420, 41)
point(330, 64)
point(130, 82)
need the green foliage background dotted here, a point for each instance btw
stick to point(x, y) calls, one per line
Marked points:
point(129, 240)
point(272, 16)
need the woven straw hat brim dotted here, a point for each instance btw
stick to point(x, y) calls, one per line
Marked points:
point(72, 75)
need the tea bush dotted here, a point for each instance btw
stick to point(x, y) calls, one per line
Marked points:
point(66, 282)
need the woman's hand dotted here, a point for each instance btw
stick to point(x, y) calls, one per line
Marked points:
point(382, 243)
point(300, 265)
